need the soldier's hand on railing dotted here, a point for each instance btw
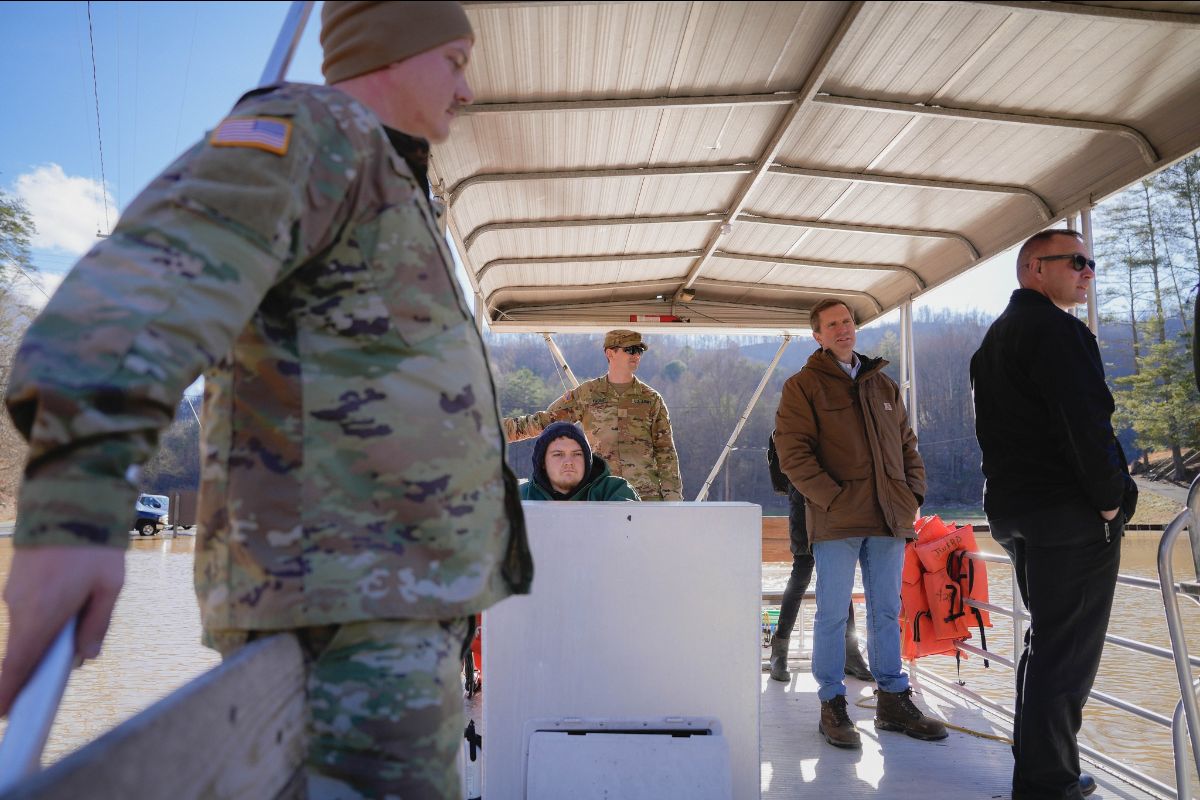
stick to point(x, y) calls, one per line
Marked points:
point(46, 587)
point(567, 410)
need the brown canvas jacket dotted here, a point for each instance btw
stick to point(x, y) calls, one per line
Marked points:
point(846, 445)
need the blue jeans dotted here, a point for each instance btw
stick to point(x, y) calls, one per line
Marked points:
point(882, 558)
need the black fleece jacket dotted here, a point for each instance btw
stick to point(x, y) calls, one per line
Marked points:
point(1043, 414)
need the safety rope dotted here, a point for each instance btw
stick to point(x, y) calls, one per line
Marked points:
point(863, 703)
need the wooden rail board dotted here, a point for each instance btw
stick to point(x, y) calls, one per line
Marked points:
point(238, 731)
point(776, 546)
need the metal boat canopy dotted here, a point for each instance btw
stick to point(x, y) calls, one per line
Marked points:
point(728, 164)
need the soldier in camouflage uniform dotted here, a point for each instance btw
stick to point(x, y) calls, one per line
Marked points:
point(626, 422)
point(354, 488)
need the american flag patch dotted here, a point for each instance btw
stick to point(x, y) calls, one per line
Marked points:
point(262, 133)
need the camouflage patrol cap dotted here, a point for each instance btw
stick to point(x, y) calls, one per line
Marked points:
point(623, 338)
point(360, 37)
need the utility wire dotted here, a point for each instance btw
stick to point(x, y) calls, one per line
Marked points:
point(36, 285)
point(187, 71)
point(99, 138)
point(117, 197)
point(137, 62)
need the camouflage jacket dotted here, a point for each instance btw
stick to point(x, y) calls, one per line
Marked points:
point(630, 430)
point(352, 462)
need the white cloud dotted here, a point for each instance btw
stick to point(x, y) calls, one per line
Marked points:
point(66, 209)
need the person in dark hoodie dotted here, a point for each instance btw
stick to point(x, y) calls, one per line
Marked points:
point(564, 468)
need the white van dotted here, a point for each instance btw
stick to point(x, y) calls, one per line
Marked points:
point(150, 513)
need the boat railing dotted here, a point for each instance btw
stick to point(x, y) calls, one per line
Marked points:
point(1020, 617)
point(238, 730)
point(1187, 711)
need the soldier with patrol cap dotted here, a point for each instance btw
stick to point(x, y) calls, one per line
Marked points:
point(626, 422)
point(354, 488)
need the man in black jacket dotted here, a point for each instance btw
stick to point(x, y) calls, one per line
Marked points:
point(1057, 496)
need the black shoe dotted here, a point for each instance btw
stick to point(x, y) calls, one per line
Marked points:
point(856, 666)
point(1087, 784)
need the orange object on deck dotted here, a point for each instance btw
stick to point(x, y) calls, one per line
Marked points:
point(936, 581)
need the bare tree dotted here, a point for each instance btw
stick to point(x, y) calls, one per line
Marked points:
point(16, 232)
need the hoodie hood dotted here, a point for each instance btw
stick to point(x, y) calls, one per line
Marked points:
point(558, 430)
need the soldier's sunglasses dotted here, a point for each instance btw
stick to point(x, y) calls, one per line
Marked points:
point(1078, 262)
point(634, 349)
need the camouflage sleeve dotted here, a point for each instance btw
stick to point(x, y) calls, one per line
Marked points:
point(101, 370)
point(517, 429)
point(664, 454)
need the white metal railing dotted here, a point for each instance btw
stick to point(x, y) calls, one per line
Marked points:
point(1187, 709)
point(1178, 654)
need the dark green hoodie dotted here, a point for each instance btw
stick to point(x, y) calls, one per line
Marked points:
point(600, 484)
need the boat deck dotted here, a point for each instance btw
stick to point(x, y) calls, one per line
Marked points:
point(797, 762)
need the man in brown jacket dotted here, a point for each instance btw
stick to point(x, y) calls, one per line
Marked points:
point(844, 442)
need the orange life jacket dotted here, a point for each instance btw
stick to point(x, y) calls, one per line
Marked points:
point(917, 639)
point(936, 581)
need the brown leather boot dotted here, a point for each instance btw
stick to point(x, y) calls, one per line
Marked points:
point(779, 650)
point(836, 726)
point(895, 711)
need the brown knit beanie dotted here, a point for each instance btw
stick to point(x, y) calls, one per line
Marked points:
point(361, 37)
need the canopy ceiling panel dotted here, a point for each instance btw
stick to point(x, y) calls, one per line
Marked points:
point(556, 273)
point(591, 198)
point(892, 247)
point(551, 50)
point(748, 268)
point(513, 299)
point(586, 241)
point(729, 164)
point(906, 206)
point(594, 139)
point(978, 152)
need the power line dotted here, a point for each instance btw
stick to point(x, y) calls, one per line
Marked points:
point(99, 138)
point(187, 71)
point(36, 285)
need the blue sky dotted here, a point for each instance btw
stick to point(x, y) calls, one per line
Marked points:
point(165, 74)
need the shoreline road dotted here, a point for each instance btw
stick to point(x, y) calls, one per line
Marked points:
point(1174, 491)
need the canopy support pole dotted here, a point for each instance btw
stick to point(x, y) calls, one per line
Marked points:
point(908, 363)
point(559, 361)
point(737, 429)
point(285, 45)
point(1093, 308)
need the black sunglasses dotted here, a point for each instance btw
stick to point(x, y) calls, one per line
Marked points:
point(634, 349)
point(1078, 262)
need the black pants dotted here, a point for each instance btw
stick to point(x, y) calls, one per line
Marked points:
point(1066, 562)
point(802, 569)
